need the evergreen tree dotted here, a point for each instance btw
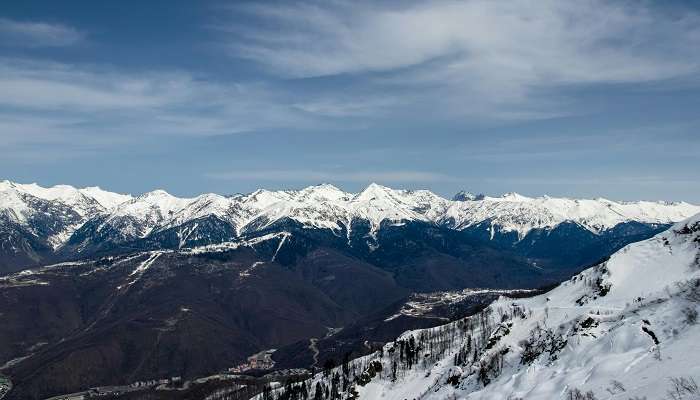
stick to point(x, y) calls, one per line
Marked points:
point(335, 390)
point(346, 364)
point(304, 391)
point(318, 392)
point(328, 366)
point(267, 392)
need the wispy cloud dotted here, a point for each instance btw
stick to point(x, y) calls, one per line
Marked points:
point(553, 41)
point(44, 100)
point(37, 34)
point(504, 60)
point(47, 102)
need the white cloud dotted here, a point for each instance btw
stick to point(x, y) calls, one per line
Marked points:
point(503, 60)
point(155, 102)
point(37, 34)
point(421, 62)
point(548, 40)
point(45, 102)
point(46, 85)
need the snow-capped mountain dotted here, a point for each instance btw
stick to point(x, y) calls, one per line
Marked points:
point(624, 329)
point(157, 219)
point(516, 213)
point(88, 220)
point(467, 196)
point(35, 221)
point(17, 199)
point(327, 207)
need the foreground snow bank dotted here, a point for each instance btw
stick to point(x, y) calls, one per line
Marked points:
point(622, 329)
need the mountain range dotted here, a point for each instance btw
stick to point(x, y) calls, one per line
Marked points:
point(42, 225)
point(102, 288)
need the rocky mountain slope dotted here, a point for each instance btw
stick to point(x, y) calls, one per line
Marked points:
point(624, 329)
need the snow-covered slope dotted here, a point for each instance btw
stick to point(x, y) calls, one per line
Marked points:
point(625, 329)
point(139, 216)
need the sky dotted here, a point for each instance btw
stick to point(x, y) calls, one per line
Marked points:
point(586, 99)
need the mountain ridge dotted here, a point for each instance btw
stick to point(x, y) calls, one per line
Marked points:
point(89, 219)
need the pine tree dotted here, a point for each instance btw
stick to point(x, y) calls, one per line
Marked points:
point(335, 393)
point(304, 391)
point(318, 392)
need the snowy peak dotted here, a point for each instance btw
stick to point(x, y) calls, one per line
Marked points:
point(40, 217)
point(155, 196)
point(323, 192)
point(107, 199)
point(467, 196)
point(516, 213)
point(162, 200)
point(512, 196)
point(379, 203)
point(374, 192)
point(202, 206)
point(83, 200)
point(139, 216)
point(86, 202)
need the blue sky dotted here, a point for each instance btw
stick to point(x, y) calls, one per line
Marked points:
point(579, 99)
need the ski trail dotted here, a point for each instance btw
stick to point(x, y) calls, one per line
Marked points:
point(184, 234)
point(284, 238)
point(139, 271)
point(144, 265)
point(107, 308)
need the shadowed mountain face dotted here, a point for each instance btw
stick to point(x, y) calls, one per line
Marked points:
point(568, 245)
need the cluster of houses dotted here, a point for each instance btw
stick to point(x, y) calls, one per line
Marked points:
point(260, 361)
point(173, 381)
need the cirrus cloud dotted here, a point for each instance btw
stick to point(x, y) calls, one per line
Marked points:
point(487, 59)
point(37, 34)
